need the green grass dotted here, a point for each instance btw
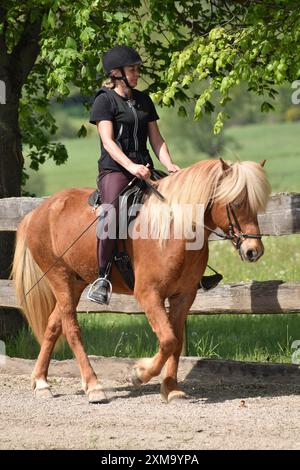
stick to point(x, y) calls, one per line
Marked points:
point(281, 260)
point(79, 171)
point(103, 334)
point(238, 337)
point(265, 338)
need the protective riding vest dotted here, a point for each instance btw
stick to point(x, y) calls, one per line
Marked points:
point(130, 119)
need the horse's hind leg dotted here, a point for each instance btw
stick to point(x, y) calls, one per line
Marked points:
point(39, 375)
point(158, 318)
point(179, 308)
point(64, 319)
point(52, 332)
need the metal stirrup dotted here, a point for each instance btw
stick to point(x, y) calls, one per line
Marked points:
point(89, 294)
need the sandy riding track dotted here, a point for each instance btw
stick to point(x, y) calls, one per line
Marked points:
point(231, 406)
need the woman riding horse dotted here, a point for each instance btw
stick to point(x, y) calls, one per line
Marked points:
point(231, 195)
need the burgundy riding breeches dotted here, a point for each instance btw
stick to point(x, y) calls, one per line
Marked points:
point(110, 184)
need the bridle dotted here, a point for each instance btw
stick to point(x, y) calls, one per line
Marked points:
point(238, 237)
point(235, 233)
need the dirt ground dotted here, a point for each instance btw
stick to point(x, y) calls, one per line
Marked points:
point(231, 406)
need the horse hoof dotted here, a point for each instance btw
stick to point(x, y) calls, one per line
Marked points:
point(136, 381)
point(43, 393)
point(173, 396)
point(176, 395)
point(97, 396)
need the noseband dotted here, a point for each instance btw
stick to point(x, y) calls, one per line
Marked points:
point(236, 236)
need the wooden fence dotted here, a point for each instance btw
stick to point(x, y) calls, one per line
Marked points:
point(282, 217)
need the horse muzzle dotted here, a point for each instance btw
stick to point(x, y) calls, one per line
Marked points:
point(251, 252)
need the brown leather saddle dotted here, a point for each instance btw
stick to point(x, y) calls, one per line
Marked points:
point(94, 199)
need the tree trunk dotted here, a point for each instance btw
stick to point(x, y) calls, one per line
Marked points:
point(11, 163)
point(15, 67)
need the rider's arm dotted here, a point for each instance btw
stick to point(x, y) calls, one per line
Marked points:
point(159, 147)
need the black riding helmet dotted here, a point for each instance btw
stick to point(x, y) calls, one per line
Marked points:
point(119, 56)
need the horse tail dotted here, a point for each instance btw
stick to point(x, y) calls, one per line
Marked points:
point(39, 303)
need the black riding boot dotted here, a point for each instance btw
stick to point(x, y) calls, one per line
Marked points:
point(209, 282)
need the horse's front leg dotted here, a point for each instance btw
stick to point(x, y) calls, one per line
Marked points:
point(179, 308)
point(154, 308)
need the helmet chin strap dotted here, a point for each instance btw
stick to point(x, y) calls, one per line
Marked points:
point(124, 78)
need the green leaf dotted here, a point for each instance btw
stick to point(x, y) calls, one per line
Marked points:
point(87, 35)
point(51, 19)
point(182, 111)
point(82, 131)
point(186, 80)
point(109, 17)
point(225, 100)
point(209, 107)
point(63, 89)
point(266, 107)
point(71, 43)
point(119, 16)
point(220, 122)
point(34, 165)
point(83, 71)
point(198, 108)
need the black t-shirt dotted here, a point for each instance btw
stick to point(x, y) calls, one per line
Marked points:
point(130, 122)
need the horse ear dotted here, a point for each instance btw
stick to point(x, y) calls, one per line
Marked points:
point(263, 163)
point(225, 165)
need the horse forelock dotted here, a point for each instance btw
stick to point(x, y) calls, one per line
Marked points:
point(245, 182)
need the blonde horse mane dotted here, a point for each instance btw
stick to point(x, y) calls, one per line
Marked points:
point(204, 183)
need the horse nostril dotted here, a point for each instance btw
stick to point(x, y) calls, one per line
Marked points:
point(251, 254)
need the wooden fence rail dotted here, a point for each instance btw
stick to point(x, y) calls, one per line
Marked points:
point(282, 217)
point(253, 297)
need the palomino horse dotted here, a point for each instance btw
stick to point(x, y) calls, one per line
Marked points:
point(231, 195)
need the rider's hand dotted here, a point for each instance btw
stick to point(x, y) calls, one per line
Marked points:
point(173, 168)
point(140, 171)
